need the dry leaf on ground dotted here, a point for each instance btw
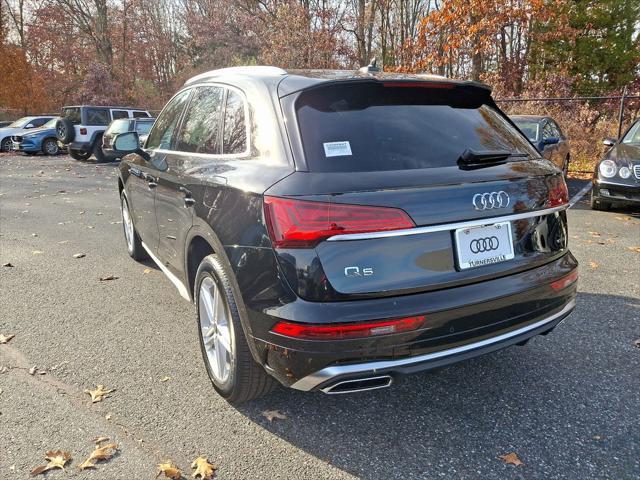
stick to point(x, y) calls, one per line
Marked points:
point(5, 338)
point(100, 453)
point(56, 459)
point(108, 277)
point(170, 470)
point(273, 414)
point(79, 255)
point(147, 270)
point(203, 469)
point(99, 393)
point(594, 265)
point(99, 440)
point(635, 249)
point(8, 264)
point(511, 459)
point(595, 234)
point(37, 252)
point(165, 379)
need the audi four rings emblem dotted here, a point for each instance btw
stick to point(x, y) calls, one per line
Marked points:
point(485, 244)
point(489, 200)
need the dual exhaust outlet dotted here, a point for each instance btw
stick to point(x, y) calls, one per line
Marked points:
point(358, 385)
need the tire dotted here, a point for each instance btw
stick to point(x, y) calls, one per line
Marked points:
point(597, 204)
point(5, 145)
point(50, 147)
point(131, 237)
point(79, 155)
point(65, 130)
point(97, 151)
point(245, 379)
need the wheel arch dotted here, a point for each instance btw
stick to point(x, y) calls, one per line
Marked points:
point(201, 241)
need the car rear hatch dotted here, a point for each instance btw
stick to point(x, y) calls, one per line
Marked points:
point(409, 186)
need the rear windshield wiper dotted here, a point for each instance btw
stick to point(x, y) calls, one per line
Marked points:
point(472, 157)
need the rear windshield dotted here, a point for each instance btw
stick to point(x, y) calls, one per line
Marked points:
point(530, 128)
point(372, 126)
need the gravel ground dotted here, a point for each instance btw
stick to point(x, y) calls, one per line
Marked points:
point(568, 404)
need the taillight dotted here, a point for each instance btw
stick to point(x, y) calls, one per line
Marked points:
point(565, 281)
point(303, 224)
point(83, 131)
point(341, 331)
point(558, 192)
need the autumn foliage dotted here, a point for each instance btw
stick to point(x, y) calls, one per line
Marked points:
point(138, 52)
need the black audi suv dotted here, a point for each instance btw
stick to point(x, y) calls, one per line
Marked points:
point(339, 229)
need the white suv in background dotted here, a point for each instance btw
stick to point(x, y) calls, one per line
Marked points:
point(81, 127)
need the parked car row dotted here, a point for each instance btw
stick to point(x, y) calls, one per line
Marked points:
point(80, 131)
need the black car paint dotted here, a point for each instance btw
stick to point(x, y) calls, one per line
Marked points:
point(225, 211)
point(622, 191)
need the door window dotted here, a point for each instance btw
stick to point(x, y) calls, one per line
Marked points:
point(138, 114)
point(165, 126)
point(547, 131)
point(119, 114)
point(235, 131)
point(118, 126)
point(98, 116)
point(200, 131)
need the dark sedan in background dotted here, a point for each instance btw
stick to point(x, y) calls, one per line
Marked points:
point(547, 137)
point(616, 179)
point(140, 125)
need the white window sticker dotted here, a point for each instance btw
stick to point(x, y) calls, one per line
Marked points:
point(337, 149)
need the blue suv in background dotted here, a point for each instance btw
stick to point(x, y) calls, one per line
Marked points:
point(41, 139)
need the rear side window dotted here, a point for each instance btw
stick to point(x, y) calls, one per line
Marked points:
point(73, 114)
point(162, 132)
point(119, 114)
point(143, 127)
point(138, 114)
point(98, 116)
point(235, 131)
point(361, 127)
point(38, 122)
point(118, 126)
point(200, 132)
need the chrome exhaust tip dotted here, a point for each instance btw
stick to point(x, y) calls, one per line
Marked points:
point(358, 385)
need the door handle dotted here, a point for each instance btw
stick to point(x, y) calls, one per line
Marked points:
point(188, 199)
point(152, 184)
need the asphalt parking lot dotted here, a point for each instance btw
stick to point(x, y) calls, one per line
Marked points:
point(568, 404)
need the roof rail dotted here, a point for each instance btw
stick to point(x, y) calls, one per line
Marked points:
point(244, 70)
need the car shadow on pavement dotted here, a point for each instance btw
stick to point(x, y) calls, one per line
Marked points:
point(556, 401)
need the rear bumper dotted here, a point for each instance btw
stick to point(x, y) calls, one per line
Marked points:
point(616, 192)
point(462, 322)
point(79, 146)
point(328, 377)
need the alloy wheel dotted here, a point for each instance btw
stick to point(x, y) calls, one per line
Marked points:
point(51, 148)
point(217, 330)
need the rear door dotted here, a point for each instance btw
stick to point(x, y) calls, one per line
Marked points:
point(144, 175)
point(447, 188)
point(199, 136)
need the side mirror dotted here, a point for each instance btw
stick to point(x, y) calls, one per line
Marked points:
point(128, 142)
point(29, 125)
point(609, 142)
point(551, 140)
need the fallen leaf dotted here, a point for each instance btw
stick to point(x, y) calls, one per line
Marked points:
point(34, 234)
point(273, 414)
point(165, 379)
point(108, 277)
point(594, 265)
point(169, 470)
point(147, 270)
point(100, 453)
point(99, 394)
point(5, 338)
point(79, 255)
point(511, 458)
point(203, 468)
point(635, 249)
point(33, 370)
point(56, 459)
point(3, 369)
point(37, 252)
point(595, 234)
point(81, 212)
point(90, 226)
point(8, 264)
point(63, 242)
point(107, 416)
